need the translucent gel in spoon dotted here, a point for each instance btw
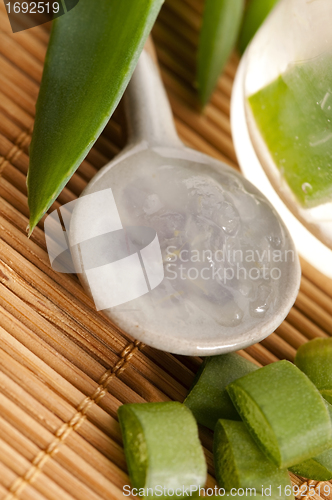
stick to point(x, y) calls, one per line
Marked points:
point(228, 271)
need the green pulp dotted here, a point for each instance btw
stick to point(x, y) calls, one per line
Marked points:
point(293, 115)
point(162, 449)
point(208, 398)
point(284, 413)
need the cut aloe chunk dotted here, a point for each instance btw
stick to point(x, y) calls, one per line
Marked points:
point(293, 115)
point(315, 360)
point(208, 398)
point(327, 394)
point(239, 463)
point(318, 468)
point(162, 447)
point(284, 412)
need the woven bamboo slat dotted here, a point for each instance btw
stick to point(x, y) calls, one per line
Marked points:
point(64, 368)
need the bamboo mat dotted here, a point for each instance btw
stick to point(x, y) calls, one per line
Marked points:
point(64, 368)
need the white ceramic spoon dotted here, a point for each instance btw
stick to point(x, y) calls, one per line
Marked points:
point(178, 249)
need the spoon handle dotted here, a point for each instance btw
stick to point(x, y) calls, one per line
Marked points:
point(149, 115)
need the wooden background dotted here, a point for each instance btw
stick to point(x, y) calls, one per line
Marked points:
point(64, 368)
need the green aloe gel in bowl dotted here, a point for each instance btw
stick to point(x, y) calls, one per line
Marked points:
point(293, 114)
point(281, 116)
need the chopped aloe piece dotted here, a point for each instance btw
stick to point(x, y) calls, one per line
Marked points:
point(329, 409)
point(315, 359)
point(162, 447)
point(318, 468)
point(208, 398)
point(284, 412)
point(239, 463)
point(293, 114)
point(327, 394)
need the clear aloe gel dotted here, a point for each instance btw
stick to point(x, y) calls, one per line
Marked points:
point(178, 249)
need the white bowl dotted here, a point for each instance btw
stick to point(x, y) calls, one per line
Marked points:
point(308, 246)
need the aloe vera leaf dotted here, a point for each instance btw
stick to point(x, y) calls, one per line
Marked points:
point(284, 412)
point(220, 28)
point(255, 14)
point(208, 399)
point(92, 52)
point(239, 463)
point(161, 446)
point(318, 468)
point(315, 359)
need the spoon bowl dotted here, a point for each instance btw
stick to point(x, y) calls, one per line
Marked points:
point(178, 249)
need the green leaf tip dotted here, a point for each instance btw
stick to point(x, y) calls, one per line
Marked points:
point(91, 56)
point(255, 14)
point(219, 32)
